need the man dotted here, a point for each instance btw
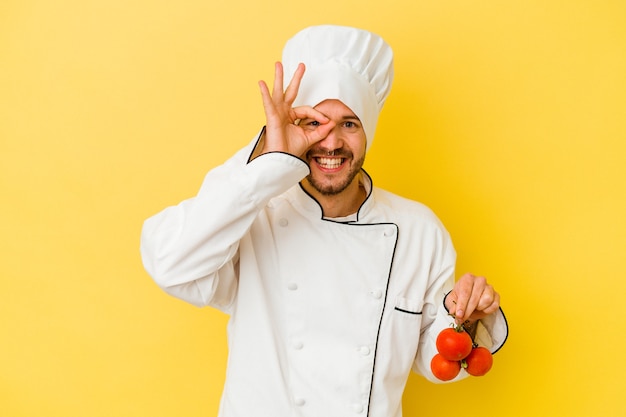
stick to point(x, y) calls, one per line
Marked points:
point(335, 289)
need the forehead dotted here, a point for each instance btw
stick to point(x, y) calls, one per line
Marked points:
point(334, 108)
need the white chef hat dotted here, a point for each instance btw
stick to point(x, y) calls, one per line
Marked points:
point(351, 65)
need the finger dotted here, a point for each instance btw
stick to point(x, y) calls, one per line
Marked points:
point(265, 93)
point(320, 133)
point(277, 93)
point(491, 306)
point(463, 289)
point(478, 295)
point(308, 112)
point(268, 104)
point(294, 85)
point(486, 298)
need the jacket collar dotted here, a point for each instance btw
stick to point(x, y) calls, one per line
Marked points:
point(308, 204)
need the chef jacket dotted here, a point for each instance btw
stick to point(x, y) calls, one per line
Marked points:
point(327, 316)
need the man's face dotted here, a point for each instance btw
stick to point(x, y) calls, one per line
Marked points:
point(337, 159)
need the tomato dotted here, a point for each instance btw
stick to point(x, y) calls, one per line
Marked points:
point(479, 361)
point(454, 344)
point(444, 369)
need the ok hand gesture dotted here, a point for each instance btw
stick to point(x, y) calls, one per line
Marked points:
point(283, 134)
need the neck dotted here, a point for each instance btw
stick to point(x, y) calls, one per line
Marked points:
point(342, 204)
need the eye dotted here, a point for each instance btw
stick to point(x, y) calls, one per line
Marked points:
point(309, 124)
point(351, 126)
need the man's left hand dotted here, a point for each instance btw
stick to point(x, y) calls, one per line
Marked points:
point(472, 298)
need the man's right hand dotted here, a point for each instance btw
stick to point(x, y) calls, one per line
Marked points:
point(282, 133)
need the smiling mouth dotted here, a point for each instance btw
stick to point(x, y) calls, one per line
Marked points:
point(329, 163)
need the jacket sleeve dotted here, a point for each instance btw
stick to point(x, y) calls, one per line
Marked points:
point(191, 250)
point(491, 331)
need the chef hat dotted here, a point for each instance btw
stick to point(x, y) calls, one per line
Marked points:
point(351, 65)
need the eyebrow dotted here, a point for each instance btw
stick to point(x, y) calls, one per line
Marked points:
point(343, 118)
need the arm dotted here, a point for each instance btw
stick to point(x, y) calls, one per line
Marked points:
point(191, 249)
point(487, 321)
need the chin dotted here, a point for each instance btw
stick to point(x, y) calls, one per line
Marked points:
point(329, 188)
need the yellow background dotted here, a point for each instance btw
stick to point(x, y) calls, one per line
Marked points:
point(508, 118)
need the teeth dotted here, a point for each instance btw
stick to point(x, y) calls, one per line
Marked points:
point(329, 163)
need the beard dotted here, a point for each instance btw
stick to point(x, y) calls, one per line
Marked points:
point(334, 188)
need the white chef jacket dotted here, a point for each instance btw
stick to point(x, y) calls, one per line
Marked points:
point(327, 318)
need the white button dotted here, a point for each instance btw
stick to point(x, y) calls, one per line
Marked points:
point(299, 402)
point(377, 294)
point(292, 286)
point(297, 345)
point(389, 232)
point(364, 350)
point(283, 222)
point(358, 408)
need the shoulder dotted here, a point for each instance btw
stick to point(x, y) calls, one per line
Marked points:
point(402, 210)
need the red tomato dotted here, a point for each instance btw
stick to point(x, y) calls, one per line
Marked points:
point(479, 361)
point(444, 369)
point(454, 344)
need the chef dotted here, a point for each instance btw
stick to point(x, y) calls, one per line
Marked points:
point(335, 289)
